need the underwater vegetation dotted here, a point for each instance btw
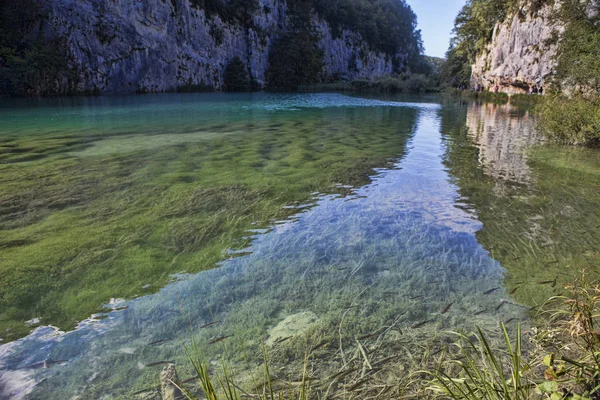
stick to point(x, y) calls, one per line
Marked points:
point(86, 217)
point(358, 236)
point(542, 222)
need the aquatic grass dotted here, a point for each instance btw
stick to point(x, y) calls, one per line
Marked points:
point(93, 220)
point(570, 341)
point(548, 231)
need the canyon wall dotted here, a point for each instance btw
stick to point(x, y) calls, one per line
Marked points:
point(521, 53)
point(119, 46)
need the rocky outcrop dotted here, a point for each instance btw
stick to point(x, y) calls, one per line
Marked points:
point(161, 45)
point(521, 53)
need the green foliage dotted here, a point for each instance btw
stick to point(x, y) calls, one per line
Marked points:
point(232, 11)
point(236, 77)
point(483, 372)
point(387, 25)
point(579, 49)
point(574, 320)
point(416, 83)
point(29, 65)
point(296, 58)
point(573, 120)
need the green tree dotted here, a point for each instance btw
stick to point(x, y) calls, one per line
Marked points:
point(296, 58)
point(236, 77)
point(29, 64)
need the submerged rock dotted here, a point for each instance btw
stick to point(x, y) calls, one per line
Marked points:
point(168, 389)
point(292, 326)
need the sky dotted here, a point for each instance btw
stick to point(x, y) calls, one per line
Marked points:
point(436, 20)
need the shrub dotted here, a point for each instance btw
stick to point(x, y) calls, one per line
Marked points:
point(236, 77)
point(30, 65)
point(571, 120)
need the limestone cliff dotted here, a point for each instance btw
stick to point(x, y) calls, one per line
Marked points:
point(524, 47)
point(521, 53)
point(122, 46)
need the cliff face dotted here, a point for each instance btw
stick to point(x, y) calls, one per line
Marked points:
point(522, 52)
point(121, 46)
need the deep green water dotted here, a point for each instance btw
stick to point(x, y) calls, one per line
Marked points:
point(359, 214)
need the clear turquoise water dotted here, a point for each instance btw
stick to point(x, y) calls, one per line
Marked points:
point(466, 201)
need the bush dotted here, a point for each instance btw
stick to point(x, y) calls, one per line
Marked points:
point(236, 77)
point(571, 120)
point(30, 65)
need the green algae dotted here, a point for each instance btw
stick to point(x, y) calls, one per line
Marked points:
point(88, 218)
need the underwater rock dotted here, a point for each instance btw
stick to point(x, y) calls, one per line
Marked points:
point(168, 390)
point(293, 325)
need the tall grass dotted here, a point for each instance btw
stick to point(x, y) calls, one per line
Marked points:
point(223, 386)
point(481, 372)
point(574, 364)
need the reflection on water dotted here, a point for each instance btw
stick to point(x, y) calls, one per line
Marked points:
point(503, 136)
point(411, 252)
point(538, 204)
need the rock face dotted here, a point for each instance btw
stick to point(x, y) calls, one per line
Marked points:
point(159, 45)
point(522, 52)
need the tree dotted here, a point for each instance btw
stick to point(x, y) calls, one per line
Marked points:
point(236, 77)
point(296, 58)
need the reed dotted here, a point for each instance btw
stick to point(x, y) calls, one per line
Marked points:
point(482, 372)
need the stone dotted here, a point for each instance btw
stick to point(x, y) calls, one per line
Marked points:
point(291, 326)
point(521, 53)
point(170, 391)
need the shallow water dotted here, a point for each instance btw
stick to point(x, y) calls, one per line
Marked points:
point(351, 215)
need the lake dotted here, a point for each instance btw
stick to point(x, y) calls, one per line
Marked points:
point(325, 224)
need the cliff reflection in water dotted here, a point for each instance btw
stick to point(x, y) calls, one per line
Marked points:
point(538, 202)
point(502, 134)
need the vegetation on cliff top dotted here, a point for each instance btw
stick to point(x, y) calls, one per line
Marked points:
point(571, 113)
point(29, 64)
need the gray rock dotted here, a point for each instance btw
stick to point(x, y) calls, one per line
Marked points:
point(521, 53)
point(170, 391)
point(292, 326)
point(523, 49)
point(157, 45)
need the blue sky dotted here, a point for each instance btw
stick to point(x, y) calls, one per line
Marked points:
point(436, 19)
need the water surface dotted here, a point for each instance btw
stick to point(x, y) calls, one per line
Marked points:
point(305, 221)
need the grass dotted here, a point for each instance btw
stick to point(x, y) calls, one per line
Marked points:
point(562, 362)
point(484, 372)
point(365, 289)
point(549, 226)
